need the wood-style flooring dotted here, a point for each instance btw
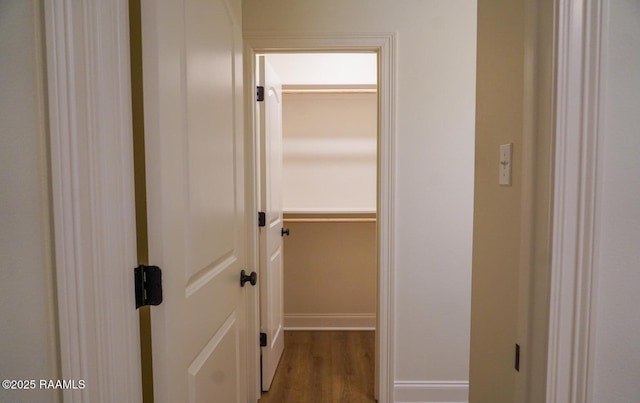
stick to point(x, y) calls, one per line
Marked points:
point(324, 367)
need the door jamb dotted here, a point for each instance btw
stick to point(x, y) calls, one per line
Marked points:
point(91, 160)
point(384, 44)
point(580, 49)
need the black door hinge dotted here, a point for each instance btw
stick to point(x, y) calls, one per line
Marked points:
point(260, 93)
point(262, 219)
point(148, 285)
point(518, 357)
point(263, 340)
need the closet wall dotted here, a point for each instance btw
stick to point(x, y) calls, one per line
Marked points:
point(329, 197)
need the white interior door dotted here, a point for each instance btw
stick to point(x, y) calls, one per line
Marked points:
point(192, 52)
point(271, 299)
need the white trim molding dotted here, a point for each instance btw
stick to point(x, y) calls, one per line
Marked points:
point(90, 127)
point(330, 321)
point(432, 391)
point(384, 44)
point(577, 129)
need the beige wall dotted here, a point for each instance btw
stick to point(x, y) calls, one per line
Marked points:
point(434, 136)
point(28, 343)
point(329, 165)
point(330, 271)
point(329, 151)
point(497, 209)
point(511, 224)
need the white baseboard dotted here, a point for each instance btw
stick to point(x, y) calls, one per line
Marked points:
point(431, 391)
point(330, 322)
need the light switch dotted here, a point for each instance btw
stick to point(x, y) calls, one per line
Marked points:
point(506, 152)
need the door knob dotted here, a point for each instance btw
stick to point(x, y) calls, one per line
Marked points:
point(251, 278)
point(284, 231)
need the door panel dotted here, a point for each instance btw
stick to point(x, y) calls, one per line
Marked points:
point(271, 298)
point(195, 182)
point(212, 366)
point(212, 225)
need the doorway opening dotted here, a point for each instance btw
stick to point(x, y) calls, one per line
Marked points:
point(317, 119)
point(383, 45)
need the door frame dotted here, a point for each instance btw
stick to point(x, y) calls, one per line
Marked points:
point(579, 105)
point(92, 192)
point(384, 44)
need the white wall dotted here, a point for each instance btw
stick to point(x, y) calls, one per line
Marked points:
point(435, 97)
point(28, 346)
point(617, 326)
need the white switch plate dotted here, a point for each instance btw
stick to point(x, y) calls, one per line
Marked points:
point(506, 152)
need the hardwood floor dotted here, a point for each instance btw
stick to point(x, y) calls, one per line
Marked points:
point(324, 367)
